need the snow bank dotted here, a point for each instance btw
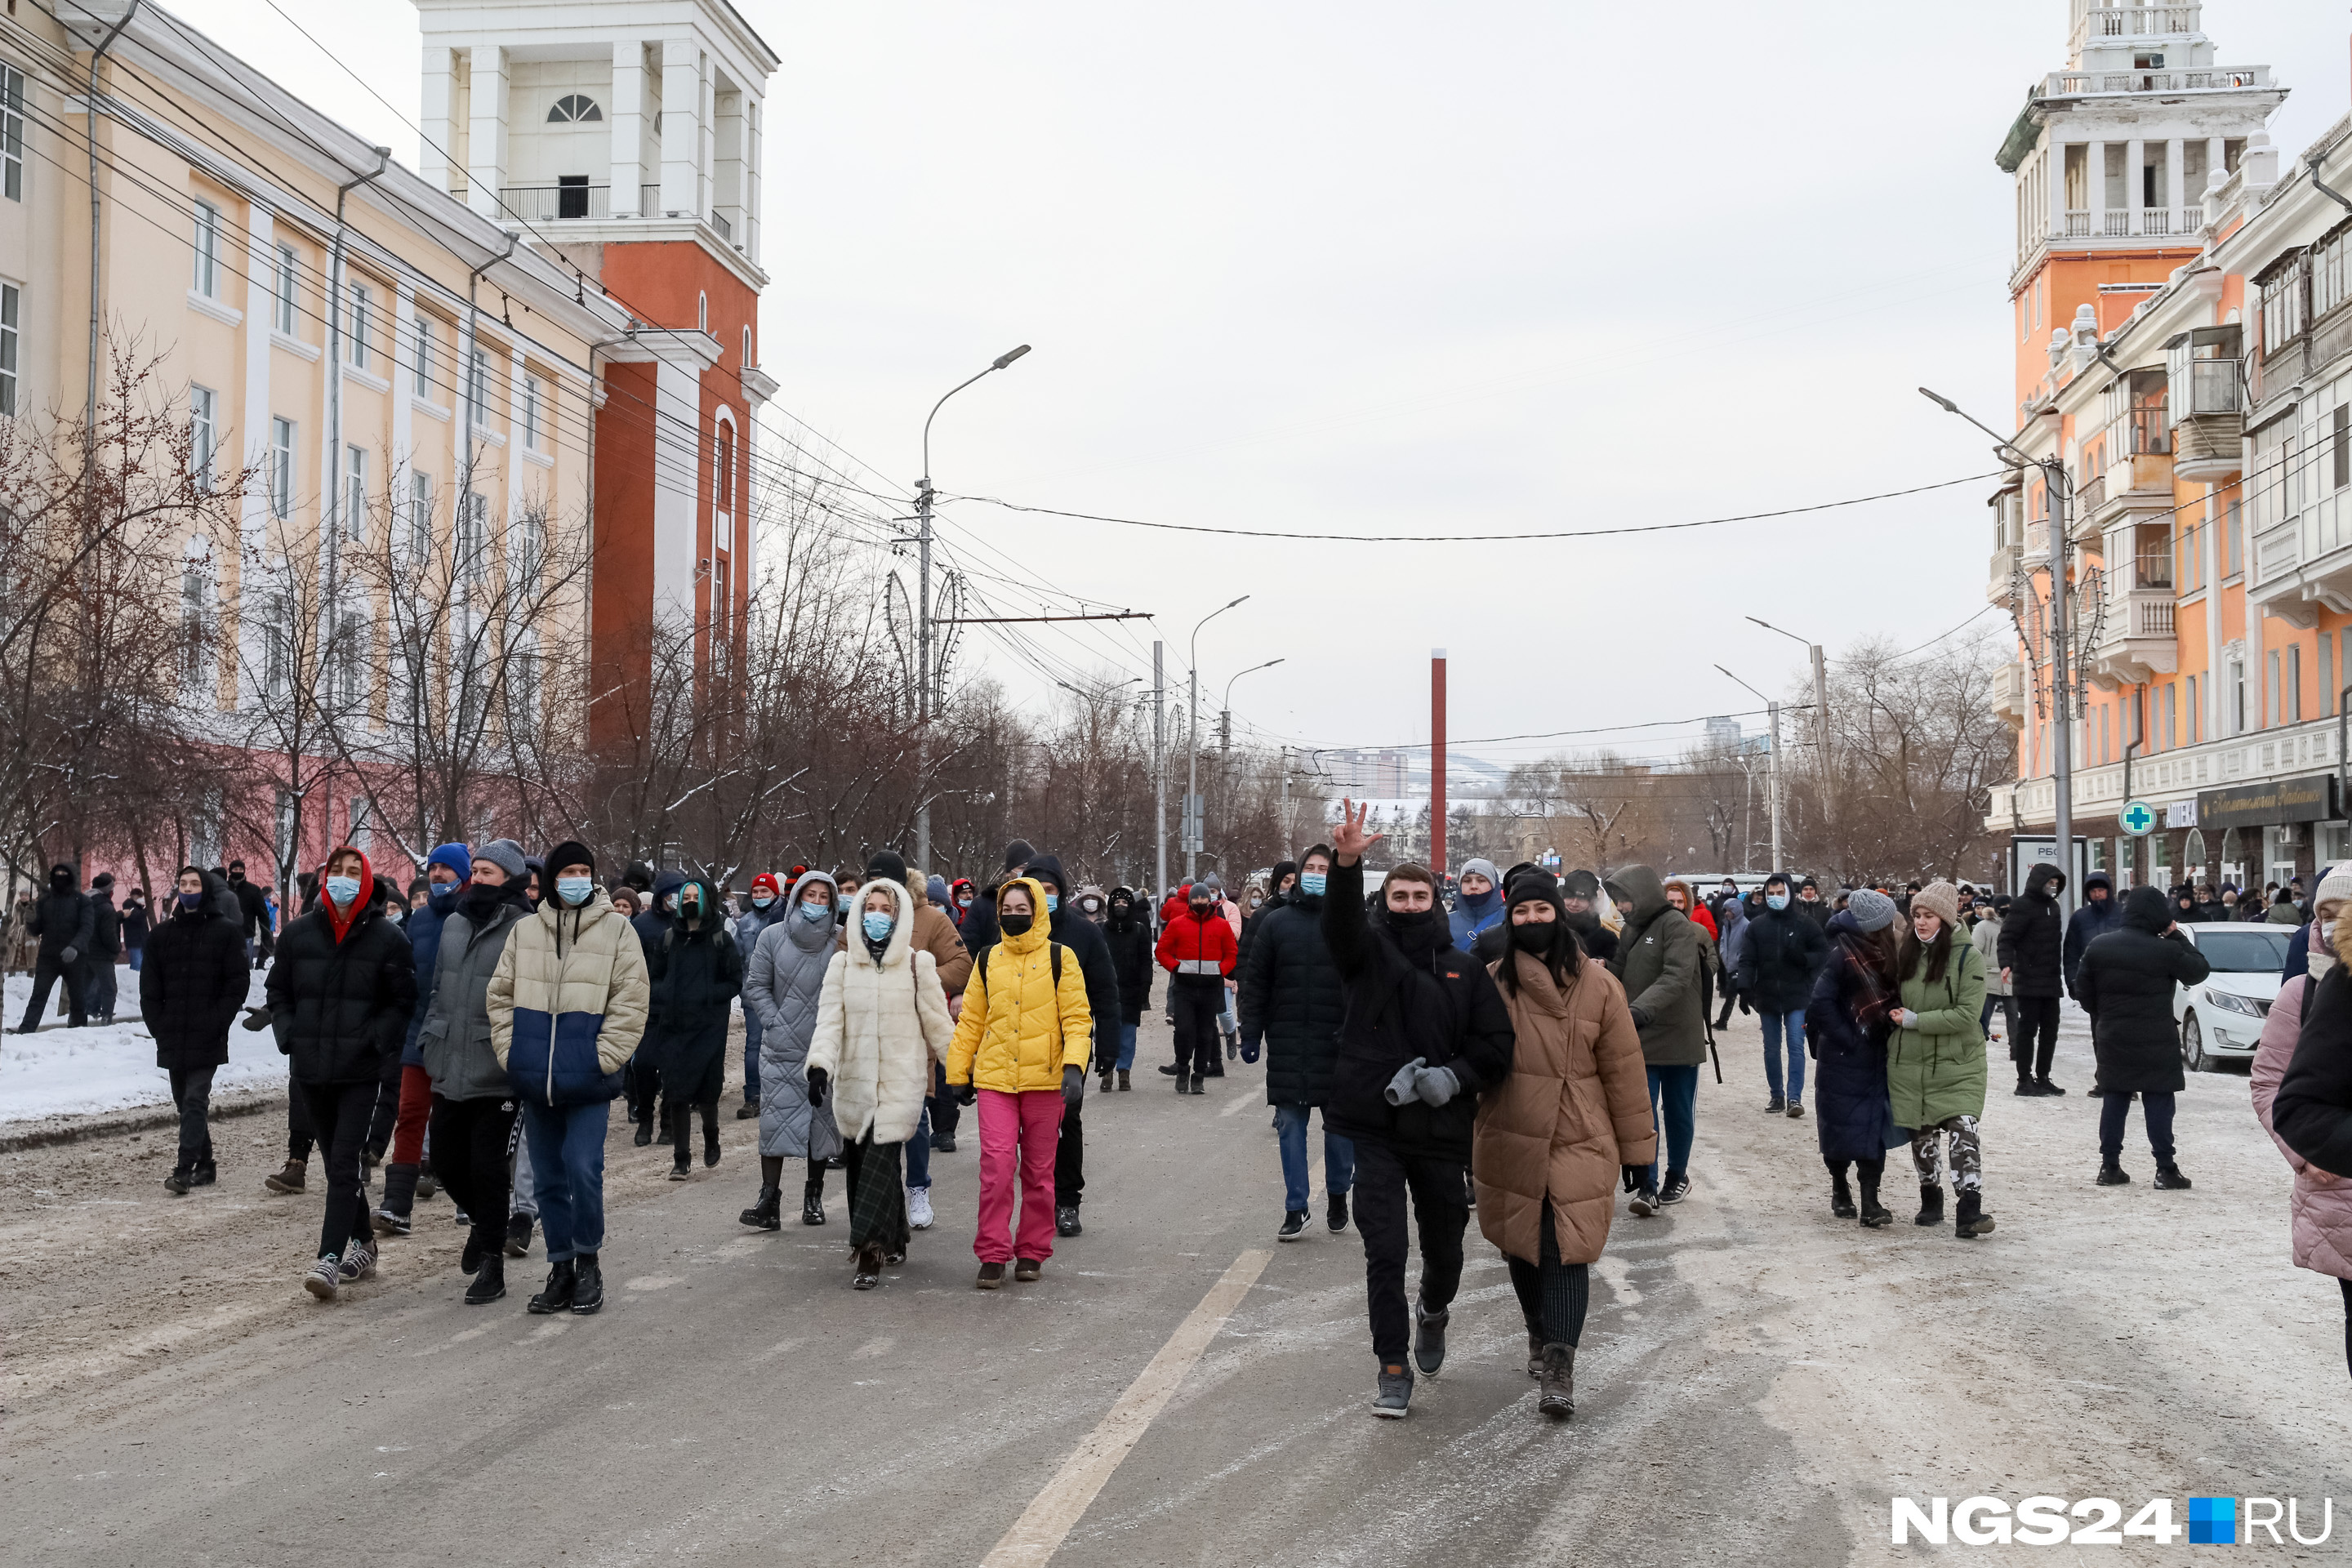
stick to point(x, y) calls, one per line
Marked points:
point(72, 1072)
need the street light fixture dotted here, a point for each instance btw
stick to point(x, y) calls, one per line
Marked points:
point(1773, 768)
point(1821, 710)
point(1192, 740)
point(924, 676)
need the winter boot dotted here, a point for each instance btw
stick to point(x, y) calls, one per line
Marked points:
point(557, 1294)
point(869, 1268)
point(1106, 1080)
point(1196, 1085)
point(1778, 1105)
point(177, 1182)
point(645, 1133)
point(1123, 1085)
point(678, 1123)
point(1841, 1197)
point(2169, 1179)
point(399, 1199)
point(2025, 1089)
point(2112, 1175)
point(1395, 1396)
point(1428, 1339)
point(761, 1215)
point(1971, 1221)
point(587, 1285)
point(290, 1180)
point(812, 1201)
point(2044, 1086)
point(205, 1172)
point(1931, 1206)
point(1183, 1082)
point(1535, 1345)
point(1875, 1216)
point(517, 1235)
point(1025, 1270)
point(427, 1187)
point(710, 1136)
point(991, 1278)
point(1066, 1221)
point(1556, 1395)
point(489, 1282)
point(748, 1111)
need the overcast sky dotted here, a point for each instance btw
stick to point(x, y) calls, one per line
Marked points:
point(1378, 268)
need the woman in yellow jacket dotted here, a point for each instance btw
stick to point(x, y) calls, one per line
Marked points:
point(1021, 1050)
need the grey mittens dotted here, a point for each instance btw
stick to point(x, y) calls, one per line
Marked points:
point(1401, 1088)
point(1436, 1085)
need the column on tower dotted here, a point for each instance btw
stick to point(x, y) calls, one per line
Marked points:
point(681, 134)
point(629, 127)
point(2095, 184)
point(486, 148)
point(2136, 183)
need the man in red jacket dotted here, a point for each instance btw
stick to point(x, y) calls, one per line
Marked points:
point(1199, 951)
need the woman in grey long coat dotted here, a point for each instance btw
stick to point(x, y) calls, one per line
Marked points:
point(780, 985)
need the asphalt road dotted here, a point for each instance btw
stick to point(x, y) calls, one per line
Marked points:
point(1757, 1380)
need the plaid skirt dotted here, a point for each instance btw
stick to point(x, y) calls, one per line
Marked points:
point(877, 1195)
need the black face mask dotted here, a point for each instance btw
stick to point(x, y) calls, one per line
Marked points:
point(1535, 936)
point(1416, 930)
point(1016, 925)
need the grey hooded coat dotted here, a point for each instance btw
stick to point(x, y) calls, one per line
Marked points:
point(780, 985)
point(455, 1039)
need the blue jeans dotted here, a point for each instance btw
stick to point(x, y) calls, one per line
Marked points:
point(567, 1167)
point(1792, 1025)
point(1338, 1157)
point(1674, 1099)
point(1125, 1047)
point(919, 1152)
point(137, 955)
point(750, 1056)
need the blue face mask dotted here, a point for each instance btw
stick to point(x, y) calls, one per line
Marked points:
point(814, 912)
point(443, 896)
point(574, 890)
point(878, 925)
point(1776, 901)
point(1052, 902)
point(342, 890)
point(760, 901)
point(192, 902)
point(1311, 883)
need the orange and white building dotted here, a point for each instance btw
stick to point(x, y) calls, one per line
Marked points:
point(2182, 316)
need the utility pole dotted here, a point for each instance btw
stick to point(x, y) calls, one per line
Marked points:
point(1192, 831)
point(1773, 782)
point(1437, 761)
point(1160, 771)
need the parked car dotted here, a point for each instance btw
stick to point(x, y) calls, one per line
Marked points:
point(2221, 1015)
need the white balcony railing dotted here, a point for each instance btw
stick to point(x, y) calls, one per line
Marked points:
point(2208, 79)
point(2134, 21)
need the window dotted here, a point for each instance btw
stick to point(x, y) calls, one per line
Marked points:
point(276, 663)
point(362, 834)
point(528, 550)
point(531, 395)
point(420, 515)
point(2171, 715)
point(2237, 538)
point(2237, 697)
point(522, 685)
point(2283, 305)
point(193, 630)
point(423, 383)
point(2196, 723)
point(574, 108)
point(747, 345)
point(473, 547)
point(355, 343)
point(12, 133)
point(356, 491)
point(477, 386)
point(571, 196)
point(284, 290)
point(2293, 686)
point(2339, 445)
point(726, 476)
point(207, 278)
point(2320, 668)
point(2331, 271)
point(281, 467)
point(352, 655)
point(10, 303)
point(2271, 692)
point(203, 432)
point(702, 312)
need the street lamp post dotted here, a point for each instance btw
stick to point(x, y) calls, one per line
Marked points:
point(1821, 712)
point(1226, 730)
point(1773, 769)
point(924, 674)
point(1193, 741)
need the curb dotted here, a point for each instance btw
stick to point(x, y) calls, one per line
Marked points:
point(49, 1132)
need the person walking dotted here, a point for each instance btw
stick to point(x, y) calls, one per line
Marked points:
point(1778, 955)
point(2032, 965)
point(696, 971)
point(2101, 912)
point(1292, 1006)
point(1423, 1033)
point(1477, 903)
point(137, 921)
point(881, 1022)
point(1552, 1138)
point(934, 933)
point(1985, 935)
point(568, 1005)
point(63, 919)
point(2319, 1208)
point(474, 1101)
point(1067, 924)
point(1019, 1050)
point(1935, 1061)
point(1657, 964)
point(1128, 934)
point(1847, 1024)
point(1198, 950)
point(1731, 929)
point(105, 949)
point(448, 870)
point(252, 907)
point(2126, 983)
point(339, 992)
point(767, 902)
point(781, 983)
point(189, 994)
point(24, 945)
point(642, 1079)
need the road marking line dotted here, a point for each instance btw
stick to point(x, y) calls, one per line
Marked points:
point(1038, 1533)
point(1244, 1103)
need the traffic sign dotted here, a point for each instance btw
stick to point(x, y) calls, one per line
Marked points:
point(2137, 817)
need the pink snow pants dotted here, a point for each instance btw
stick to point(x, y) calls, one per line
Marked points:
point(1023, 1127)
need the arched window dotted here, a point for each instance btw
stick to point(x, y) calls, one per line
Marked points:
point(702, 312)
point(747, 345)
point(575, 108)
point(726, 474)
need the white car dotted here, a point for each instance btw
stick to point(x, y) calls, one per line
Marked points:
point(2221, 1015)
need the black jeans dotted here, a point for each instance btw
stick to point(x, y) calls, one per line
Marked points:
point(98, 986)
point(387, 1111)
point(2035, 1019)
point(945, 1113)
point(48, 972)
point(1441, 1207)
point(192, 1091)
point(470, 1139)
point(300, 1134)
point(1070, 1160)
point(2115, 1109)
point(339, 1112)
point(1196, 1000)
point(1552, 1295)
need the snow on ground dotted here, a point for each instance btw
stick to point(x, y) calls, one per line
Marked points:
point(64, 1071)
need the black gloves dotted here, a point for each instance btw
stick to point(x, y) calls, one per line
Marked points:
point(817, 1081)
point(1249, 1050)
point(1074, 1087)
point(257, 1019)
point(1641, 1017)
point(1633, 1176)
point(964, 1093)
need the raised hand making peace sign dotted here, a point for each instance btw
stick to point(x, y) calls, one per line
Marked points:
point(1348, 840)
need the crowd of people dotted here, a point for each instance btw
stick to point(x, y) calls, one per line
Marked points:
point(1519, 1043)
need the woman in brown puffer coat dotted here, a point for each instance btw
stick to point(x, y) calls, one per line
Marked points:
point(1553, 1137)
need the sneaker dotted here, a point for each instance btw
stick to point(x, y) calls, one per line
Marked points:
point(1796, 1111)
point(359, 1263)
point(919, 1208)
point(942, 1142)
point(991, 1278)
point(325, 1277)
point(1676, 1189)
point(517, 1235)
point(393, 1223)
point(1396, 1395)
point(1428, 1339)
point(2025, 1090)
point(1338, 1214)
point(2169, 1179)
point(204, 1174)
point(1026, 1269)
point(464, 1221)
point(1778, 1105)
point(1645, 1201)
point(1294, 1225)
point(2114, 1176)
point(681, 1169)
point(1066, 1221)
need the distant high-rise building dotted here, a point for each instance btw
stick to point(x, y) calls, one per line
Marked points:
point(1723, 732)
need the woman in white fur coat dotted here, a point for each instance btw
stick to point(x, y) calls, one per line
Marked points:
point(881, 1022)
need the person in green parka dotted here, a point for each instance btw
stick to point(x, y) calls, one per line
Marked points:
point(1935, 1062)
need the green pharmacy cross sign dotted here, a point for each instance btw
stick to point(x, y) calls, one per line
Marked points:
point(2137, 817)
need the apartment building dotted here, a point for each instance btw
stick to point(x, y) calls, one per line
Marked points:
point(2183, 339)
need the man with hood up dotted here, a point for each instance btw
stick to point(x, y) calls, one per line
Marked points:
point(105, 947)
point(448, 869)
point(65, 922)
point(1579, 894)
point(767, 901)
point(191, 985)
point(1067, 925)
point(979, 927)
point(2100, 913)
point(1657, 962)
point(1730, 945)
point(2126, 982)
point(1128, 934)
point(696, 971)
point(2032, 962)
point(642, 1079)
point(1478, 905)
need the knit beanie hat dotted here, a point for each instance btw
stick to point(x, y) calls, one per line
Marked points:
point(1940, 899)
point(888, 863)
point(936, 890)
point(456, 857)
point(572, 852)
point(1871, 910)
point(1017, 854)
point(506, 855)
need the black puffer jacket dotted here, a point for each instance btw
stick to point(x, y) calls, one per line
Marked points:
point(193, 982)
point(2093, 919)
point(62, 915)
point(1084, 940)
point(2125, 985)
point(340, 1009)
point(2313, 1112)
point(1293, 1001)
point(1440, 1004)
point(1780, 952)
point(2034, 936)
point(1131, 954)
point(697, 972)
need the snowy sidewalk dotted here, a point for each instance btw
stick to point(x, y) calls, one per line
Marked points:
point(64, 1071)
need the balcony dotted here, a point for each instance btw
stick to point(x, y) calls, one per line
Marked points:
point(2302, 566)
point(552, 204)
point(2008, 699)
point(2138, 477)
point(2135, 643)
point(2205, 78)
point(2001, 576)
point(2111, 22)
point(2208, 403)
point(2036, 553)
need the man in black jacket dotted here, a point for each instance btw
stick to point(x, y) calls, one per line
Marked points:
point(1127, 934)
point(63, 918)
point(2032, 962)
point(191, 985)
point(1780, 951)
point(1085, 940)
point(2126, 983)
point(1424, 1032)
point(253, 906)
point(105, 947)
point(1292, 1003)
point(2100, 913)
